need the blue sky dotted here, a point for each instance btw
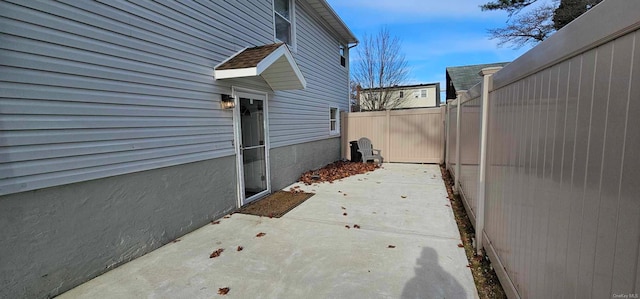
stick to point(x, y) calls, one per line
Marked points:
point(435, 34)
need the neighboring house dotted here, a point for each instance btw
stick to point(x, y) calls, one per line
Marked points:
point(464, 77)
point(114, 139)
point(405, 96)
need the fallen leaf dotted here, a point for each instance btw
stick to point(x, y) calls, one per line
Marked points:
point(215, 222)
point(176, 241)
point(468, 265)
point(447, 205)
point(296, 187)
point(240, 248)
point(260, 235)
point(403, 196)
point(356, 226)
point(343, 208)
point(226, 217)
point(347, 226)
point(337, 171)
point(223, 291)
point(391, 246)
point(344, 214)
point(216, 253)
point(345, 194)
point(460, 245)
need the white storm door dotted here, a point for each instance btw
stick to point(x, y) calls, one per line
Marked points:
point(253, 160)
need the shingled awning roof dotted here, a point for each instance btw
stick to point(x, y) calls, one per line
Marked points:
point(273, 62)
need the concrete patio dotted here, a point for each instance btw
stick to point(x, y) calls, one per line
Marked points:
point(309, 253)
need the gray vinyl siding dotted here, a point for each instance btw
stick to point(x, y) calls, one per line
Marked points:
point(91, 89)
point(303, 115)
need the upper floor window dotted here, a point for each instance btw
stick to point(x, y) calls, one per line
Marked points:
point(402, 94)
point(283, 21)
point(343, 59)
point(423, 93)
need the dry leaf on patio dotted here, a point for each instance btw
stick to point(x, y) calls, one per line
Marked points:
point(403, 196)
point(261, 235)
point(343, 208)
point(356, 226)
point(347, 226)
point(215, 222)
point(391, 246)
point(447, 205)
point(344, 214)
point(460, 245)
point(226, 217)
point(240, 248)
point(223, 291)
point(176, 241)
point(216, 253)
point(336, 171)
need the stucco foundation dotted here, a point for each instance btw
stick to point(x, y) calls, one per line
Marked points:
point(56, 238)
point(289, 162)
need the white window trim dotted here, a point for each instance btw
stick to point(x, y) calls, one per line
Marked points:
point(337, 120)
point(292, 12)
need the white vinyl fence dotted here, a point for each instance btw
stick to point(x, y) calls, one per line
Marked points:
point(409, 135)
point(549, 165)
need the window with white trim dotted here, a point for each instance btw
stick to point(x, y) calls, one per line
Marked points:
point(334, 121)
point(423, 93)
point(283, 21)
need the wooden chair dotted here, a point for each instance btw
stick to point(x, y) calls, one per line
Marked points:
point(367, 150)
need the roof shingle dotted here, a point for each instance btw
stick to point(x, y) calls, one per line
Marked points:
point(250, 57)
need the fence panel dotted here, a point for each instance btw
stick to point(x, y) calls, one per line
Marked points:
point(562, 196)
point(410, 136)
point(470, 123)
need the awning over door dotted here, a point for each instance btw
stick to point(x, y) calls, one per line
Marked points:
point(274, 63)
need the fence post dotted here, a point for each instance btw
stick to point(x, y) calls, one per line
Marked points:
point(456, 188)
point(343, 134)
point(487, 86)
point(447, 142)
point(443, 140)
point(387, 133)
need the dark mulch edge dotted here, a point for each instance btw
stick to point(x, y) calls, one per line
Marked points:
point(484, 276)
point(261, 207)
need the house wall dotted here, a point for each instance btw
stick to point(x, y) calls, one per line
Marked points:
point(56, 238)
point(96, 97)
point(87, 95)
point(289, 162)
point(412, 97)
point(301, 116)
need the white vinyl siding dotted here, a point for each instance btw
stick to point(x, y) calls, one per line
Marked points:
point(90, 89)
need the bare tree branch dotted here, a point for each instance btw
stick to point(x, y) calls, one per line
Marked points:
point(530, 27)
point(381, 66)
point(510, 6)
